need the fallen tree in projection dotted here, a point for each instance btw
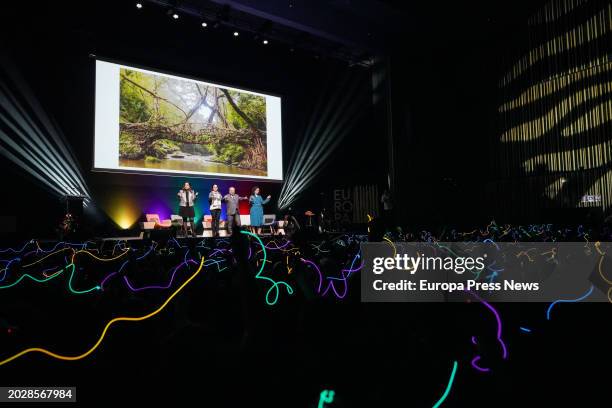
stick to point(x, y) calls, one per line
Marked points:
point(163, 118)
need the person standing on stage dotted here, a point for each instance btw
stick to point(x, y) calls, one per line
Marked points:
point(232, 209)
point(214, 199)
point(257, 209)
point(187, 197)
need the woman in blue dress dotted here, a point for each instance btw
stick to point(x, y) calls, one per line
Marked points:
point(257, 209)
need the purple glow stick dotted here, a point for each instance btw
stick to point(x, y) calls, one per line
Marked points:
point(477, 367)
point(331, 284)
point(499, 324)
point(279, 247)
point(111, 275)
point(107, 278)
point(133, 289)
point(318, 270)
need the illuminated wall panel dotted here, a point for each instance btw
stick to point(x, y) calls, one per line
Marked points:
point(554, 147)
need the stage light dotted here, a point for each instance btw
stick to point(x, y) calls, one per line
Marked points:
point(124, 222)
point(204, 24)
point(122, 207)
point(236, 33)
point(175, 16)
point(265, 42)
point(333, 118)
point(139, 5)
point(31, 140)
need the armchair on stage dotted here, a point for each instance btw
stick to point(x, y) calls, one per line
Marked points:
point(245, 221)
point(177, 220)
point(280, 228)
point(269, 222)
point(207, 224)
point(181, 228)
point(154, 222)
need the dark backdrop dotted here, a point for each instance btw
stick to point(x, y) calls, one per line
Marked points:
point(450, 167)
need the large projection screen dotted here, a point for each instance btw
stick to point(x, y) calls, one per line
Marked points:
point(154, 123)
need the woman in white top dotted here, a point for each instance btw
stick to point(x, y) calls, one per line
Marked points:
point(214, 198)
point(187, 199)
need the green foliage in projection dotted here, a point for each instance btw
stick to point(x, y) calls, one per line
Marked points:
point(197, 149)
point(231, 153)
point(138, 103)
point(152, 159)
point(228, 153)
point(253, 106)
point(128, 148)
point(177, 124)
point(135, 104)
point(162, 147)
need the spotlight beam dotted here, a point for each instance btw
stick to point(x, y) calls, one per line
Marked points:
point(327, 107)
point(310, 177)
point(61, 148)
point(330, 124)
point(56, 185)
point(36, 157)
point(321, 121)
point(339, 120)
point(299, 167)
point(41, 168)
point(30, 139)
point(64, 154)
point(35, 154)
point(323, 108)
point(27, 168)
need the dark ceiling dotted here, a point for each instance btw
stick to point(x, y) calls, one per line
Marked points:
point(354, 30)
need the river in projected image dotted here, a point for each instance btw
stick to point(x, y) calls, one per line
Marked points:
point(194, 163)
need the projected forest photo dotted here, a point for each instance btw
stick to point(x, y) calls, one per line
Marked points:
point(181, 125)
